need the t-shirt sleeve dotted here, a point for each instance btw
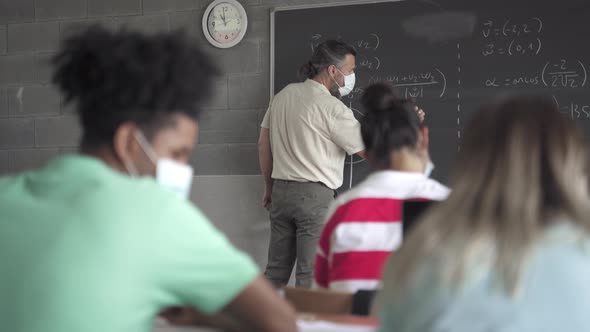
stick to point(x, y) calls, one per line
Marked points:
point(197, 264)
point(345, 130)
point(266, 120)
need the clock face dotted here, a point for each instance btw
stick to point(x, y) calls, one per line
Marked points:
point(225, 22)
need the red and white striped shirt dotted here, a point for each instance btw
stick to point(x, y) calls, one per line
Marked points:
point(364, 226)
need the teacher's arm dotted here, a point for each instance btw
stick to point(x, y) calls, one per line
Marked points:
point(266, 164)
point(345, 131)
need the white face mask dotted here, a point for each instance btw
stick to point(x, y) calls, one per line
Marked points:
point(170, 174)
point(429, 168)
point(349, 81)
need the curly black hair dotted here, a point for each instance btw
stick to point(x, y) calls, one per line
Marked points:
point(124, 76)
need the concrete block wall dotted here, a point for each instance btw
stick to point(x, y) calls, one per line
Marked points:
point(36, 126)
point(34, 119)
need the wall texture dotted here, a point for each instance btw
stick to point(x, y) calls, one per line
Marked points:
point(36, 126)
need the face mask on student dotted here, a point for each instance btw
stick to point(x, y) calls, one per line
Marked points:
point(349, 81)
point(170, 174)
point(429, 168)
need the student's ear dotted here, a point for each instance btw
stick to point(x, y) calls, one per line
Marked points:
point(424, 140)
point(125, 144)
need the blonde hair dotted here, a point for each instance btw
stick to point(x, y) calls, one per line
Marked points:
point(521, 165)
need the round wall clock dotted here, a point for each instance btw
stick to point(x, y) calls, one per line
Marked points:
point(225, 23)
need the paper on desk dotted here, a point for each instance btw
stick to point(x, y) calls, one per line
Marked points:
point(324, 326)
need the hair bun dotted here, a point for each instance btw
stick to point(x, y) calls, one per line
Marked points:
point(80, 65)
point(308, 70)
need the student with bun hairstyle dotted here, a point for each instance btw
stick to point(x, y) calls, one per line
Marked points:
point(364, 225)
point(105, 240)
point(509, 250)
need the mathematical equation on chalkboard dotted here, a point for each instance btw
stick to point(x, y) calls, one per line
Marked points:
point(560, 74)
point(512, 38)
point(369, 43)
point(415, 84)
point(504, 37)
point(576, 110)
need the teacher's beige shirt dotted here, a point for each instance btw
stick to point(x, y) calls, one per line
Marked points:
point(311, 132)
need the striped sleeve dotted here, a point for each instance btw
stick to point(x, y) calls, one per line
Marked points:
point(356, 241)
point(322, 261)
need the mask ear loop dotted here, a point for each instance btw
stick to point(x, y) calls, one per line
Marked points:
point(131, 169)
point(332, 77)
point(146, 146)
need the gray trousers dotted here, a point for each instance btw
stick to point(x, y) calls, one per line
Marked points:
point(297, 215)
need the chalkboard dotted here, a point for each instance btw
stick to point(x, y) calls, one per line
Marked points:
point(451, 56)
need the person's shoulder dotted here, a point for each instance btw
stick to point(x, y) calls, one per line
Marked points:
point(285, 94)
point(13, 185)
point(167, 209)
point(318, 94)
point(564, 233)
point(439, 188)
point(147, 194)
point(562, 255)
point(432, 190)
point(289, 89)
point(9, 179)
point(332, 102)
point(148, 189)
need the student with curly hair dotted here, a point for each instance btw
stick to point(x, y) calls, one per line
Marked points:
point(105, 240)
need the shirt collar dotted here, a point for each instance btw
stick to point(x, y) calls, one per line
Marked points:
point(390, 177)
point(316, 85)
point(81, 165)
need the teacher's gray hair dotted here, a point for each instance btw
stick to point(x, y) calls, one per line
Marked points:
point(330, 52)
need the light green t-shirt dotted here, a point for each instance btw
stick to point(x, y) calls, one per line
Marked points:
point(84, 248)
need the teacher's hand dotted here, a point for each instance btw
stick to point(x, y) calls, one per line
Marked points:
point(266, 198)
point(420, 113)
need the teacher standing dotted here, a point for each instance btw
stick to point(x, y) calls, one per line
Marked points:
point(305, 136)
